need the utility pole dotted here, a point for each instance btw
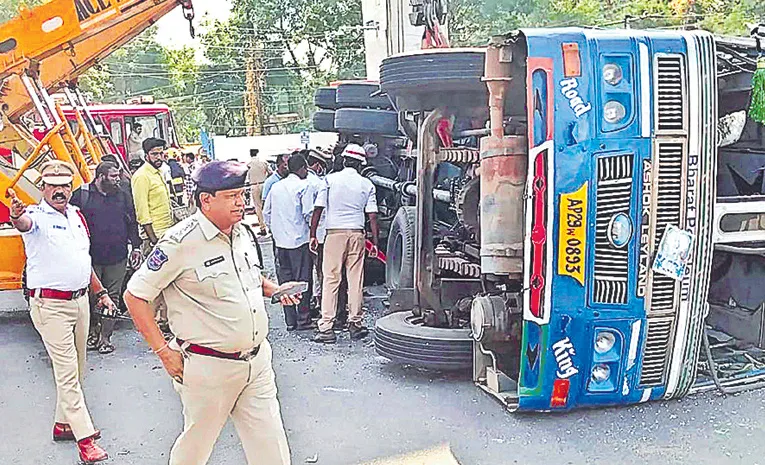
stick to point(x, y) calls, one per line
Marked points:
point(253, 97)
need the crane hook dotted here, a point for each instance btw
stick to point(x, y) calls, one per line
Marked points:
point(188, 13)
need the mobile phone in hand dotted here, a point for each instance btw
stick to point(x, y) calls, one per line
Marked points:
point(297, 288)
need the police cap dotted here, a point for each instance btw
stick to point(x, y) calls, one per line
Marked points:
point(220, 176)
point(57, 173)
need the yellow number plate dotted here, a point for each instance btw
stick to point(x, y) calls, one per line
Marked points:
point(572, 234)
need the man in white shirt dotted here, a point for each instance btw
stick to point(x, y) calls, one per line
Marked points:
point(59, 273)
point(134, 143)
point(317, 168)
point(347, 197)
point(283, 213)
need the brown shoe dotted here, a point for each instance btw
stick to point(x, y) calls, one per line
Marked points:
point(63, 432)
point(90, 452)
point(357, 331)
point(325, 337)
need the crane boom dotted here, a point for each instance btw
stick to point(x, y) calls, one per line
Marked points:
point(41, 50)
point(63, 38)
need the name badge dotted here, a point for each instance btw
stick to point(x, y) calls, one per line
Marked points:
point(214, 261)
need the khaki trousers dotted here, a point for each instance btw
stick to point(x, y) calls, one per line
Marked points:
point(63, 326)
point(256, 194)
point(342, 248)
point(214, 389)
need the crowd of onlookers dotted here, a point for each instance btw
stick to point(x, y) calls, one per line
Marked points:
point(130, 206)
point(128, 209)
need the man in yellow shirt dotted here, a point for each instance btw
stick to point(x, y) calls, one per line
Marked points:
point(151, 194)
point(152, 206)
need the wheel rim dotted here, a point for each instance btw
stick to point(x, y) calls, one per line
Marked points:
point(396, 260)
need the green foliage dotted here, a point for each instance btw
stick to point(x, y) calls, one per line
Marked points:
point(296, 45)
point(9, 9)
point(474, 21)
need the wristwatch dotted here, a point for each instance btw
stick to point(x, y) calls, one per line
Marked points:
point(100, 294)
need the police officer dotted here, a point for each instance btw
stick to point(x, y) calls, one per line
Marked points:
point(57, 243)
point(208, 270)
point(317, 169)
point(347, 197)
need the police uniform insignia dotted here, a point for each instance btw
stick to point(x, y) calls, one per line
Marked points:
point(214, 261)
point(184, 231)
point(156, 259)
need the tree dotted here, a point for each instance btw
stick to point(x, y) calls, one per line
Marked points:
point(9, 9)
point(144, 67)
point(296, 46)
point(472, 22)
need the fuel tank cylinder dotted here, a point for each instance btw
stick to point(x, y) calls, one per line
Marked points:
point(503, 180)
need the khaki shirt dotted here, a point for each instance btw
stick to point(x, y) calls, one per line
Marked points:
point(258, 171)
point(212, 285)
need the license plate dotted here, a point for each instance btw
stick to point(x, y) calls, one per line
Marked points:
point(674, 253)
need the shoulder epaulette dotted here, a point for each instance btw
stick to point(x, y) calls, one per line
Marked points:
point(184, 230)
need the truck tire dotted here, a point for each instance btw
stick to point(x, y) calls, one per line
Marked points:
point(399, 264)
point(325, 98)
point(423, 81)
point(366, 121)
point(402, 338)
point(358, 95)
point(324, 121)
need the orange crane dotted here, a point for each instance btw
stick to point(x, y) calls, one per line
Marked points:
point(45, 49)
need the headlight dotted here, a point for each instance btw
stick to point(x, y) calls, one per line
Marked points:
point(613, 111)
point(604, 342)
point(612, 74)
point(600, 373)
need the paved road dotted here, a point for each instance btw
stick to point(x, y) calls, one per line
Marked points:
point(347, 406)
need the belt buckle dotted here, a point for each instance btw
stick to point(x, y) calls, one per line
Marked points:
point(249, 355)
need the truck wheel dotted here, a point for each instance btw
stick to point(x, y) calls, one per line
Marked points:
point(399, 265)
point(358, 95)
point(403, 338)
point(422, 81)
point(325, 98)
point(366, 121)
point(324, 121)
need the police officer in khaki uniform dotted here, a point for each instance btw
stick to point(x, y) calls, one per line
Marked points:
point(208, 270)
point(59, 274)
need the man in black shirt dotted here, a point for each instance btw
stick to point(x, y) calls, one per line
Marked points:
point(110, 215)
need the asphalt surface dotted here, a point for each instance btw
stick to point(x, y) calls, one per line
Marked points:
point(344, 405)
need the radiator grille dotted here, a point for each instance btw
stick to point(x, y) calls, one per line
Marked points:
point(656, 348)
point(670, 93)
point(614, 189)
point(669, 184)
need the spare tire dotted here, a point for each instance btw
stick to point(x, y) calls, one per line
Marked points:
point(366, 121)
point(325, 98)
point(425, 80)
point(358, 95)
point(324, 120)
point(399, 263)
point(403, 338)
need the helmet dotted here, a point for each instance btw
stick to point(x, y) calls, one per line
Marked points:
point(355, 151)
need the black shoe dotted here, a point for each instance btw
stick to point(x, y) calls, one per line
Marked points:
point(291, 327)
point(325, 337)
point(340, 325)
point(357, 331)
point(306, 326)
point(263, 233)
